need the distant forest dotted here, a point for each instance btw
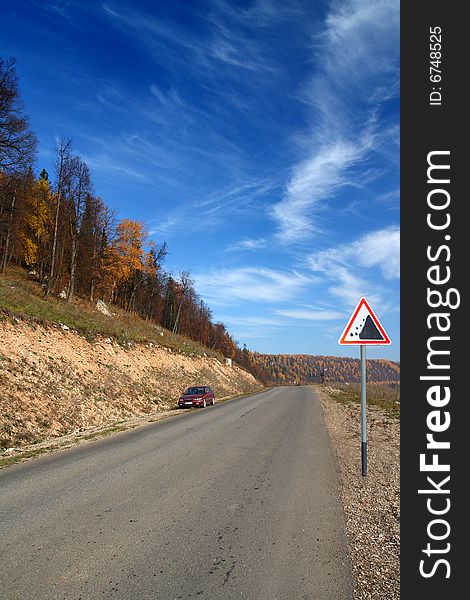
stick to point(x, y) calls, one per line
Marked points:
point(283, 369)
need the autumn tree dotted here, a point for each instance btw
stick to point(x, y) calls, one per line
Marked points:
point(95, 232)
point(221, 340)
point(153, 268)
point(37, 223)
point(14, 191)
point(202, 322)
point(128, 245)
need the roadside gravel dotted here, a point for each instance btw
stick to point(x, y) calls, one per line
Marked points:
point(371, 503)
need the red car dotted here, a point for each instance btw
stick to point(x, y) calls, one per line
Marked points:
point(199, 396)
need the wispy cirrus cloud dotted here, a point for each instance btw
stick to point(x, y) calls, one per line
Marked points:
point(346, 266)
point(168, 99)
point(314, 181)
point(237, 196)
point(252, 320)
point(254, 284)
point(222, 43)
point(260, 13)
point(376, 249)
point(109, 164)
point(348, 287)
point(310, 314)
point(358, 51)
point(242, 198)
point(247, 244)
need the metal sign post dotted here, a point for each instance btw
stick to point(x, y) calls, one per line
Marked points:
point(363, 412)
point(364, 329)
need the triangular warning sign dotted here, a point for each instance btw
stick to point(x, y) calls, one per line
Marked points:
point(364, 327)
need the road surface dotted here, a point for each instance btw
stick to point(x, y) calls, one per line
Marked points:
point(239, 500)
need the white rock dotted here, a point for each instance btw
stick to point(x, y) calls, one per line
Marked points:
point(101, 306)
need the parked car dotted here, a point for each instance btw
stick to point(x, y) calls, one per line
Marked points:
point(199, 396)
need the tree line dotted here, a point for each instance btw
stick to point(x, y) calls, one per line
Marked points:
point(283, 369)
point(57, 227)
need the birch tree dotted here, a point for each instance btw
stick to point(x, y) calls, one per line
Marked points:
point(63, 168)
point(79, 187)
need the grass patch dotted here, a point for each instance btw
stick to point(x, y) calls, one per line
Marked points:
point(385, 396)
point(6, 461)
point(104, 432)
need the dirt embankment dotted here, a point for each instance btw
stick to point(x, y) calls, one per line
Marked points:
point(54, 382)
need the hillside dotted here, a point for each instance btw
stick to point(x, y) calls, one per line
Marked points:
point(284, 369)
point(66, 367)
point(54, 381)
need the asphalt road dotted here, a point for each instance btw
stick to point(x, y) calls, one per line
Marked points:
point(239, 500)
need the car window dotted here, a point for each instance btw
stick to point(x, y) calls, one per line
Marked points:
point(194, 390)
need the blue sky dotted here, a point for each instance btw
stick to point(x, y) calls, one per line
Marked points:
point(260, 139)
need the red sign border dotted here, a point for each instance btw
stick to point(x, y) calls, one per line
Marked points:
point(385, 342)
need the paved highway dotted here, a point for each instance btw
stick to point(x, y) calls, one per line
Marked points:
point(239, 500)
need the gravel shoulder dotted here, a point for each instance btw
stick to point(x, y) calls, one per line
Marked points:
point(371, 503)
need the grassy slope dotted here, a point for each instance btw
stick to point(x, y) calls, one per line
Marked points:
point(24, 298)
point(383, 396)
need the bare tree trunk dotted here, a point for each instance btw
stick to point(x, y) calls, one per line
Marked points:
point(92, 288)
point(73, 260)
point(8, 235)
point(82, 184)
point(54, 247)
point(63, 152)
point(186, 284)
point(175, 326)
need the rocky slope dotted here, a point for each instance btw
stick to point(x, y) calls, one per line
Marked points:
point(54, 382)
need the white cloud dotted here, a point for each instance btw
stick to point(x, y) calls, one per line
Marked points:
point(391, 198)
point(379, 248)
point(166, 225)
point(357, 49)
point(248, 244)
point(362, 37)
point(311, 314)
point(314, 181)
point(236, 196)
point(252, 284)
point(104, 162)
point(349, 287)
point(224, 45)
point(168, 99)
point(346, 265)
point(251, 321)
